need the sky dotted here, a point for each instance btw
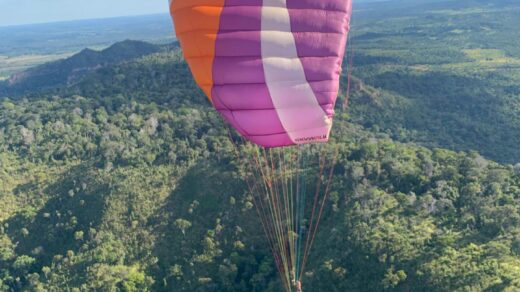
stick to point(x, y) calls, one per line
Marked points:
point(17, 12)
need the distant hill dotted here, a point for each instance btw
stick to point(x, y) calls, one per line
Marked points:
point(70, 70)
point(71, 36)
point(442, 74)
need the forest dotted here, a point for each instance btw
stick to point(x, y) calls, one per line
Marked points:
point(442, 74)
point(126, 179)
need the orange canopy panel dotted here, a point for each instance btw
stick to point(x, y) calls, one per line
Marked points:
point(197, 25)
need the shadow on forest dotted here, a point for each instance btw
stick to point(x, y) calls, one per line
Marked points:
point(76, 204)
point(204, 198)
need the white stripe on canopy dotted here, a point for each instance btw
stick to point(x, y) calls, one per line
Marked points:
point(294, 100)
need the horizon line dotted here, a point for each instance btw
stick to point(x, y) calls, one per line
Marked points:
point(79, 19)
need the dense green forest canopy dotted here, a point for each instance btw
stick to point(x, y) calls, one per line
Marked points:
point(442, 73)
point(126, 180)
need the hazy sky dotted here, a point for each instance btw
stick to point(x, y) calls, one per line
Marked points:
point(14, 12)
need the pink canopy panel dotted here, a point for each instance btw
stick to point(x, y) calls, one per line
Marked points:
point(270, 67)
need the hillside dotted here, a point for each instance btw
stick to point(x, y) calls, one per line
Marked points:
point(70, 70)
point(441, 73)
point(126, 179)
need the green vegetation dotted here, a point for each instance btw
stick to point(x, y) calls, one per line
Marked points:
point(69, 71)
point(441, 74)
point(126, 180)
point(135, 188)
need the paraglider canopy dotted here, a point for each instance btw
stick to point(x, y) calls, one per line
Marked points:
point(270, 67)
